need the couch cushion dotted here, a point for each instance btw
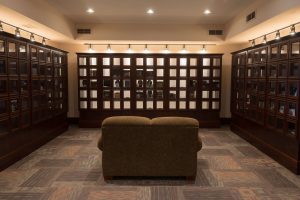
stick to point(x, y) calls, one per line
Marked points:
point(126, 121)
point(175, 121)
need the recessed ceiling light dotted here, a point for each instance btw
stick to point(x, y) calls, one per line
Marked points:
point(207, 12)
point(150, 11)
point(90, 10)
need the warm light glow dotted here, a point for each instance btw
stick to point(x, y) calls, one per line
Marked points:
point(44, 41)
point(253, 43)
point(17, 32)
point(129, 50)
point(146, 50)
point(166, 50)
point(90, 11)
point(150, 11)
point(1, 27)
point(265, 39)
point(277, 37)
point(90, 50)
point(293, 30)
point(109, 50)
point(183, 50)
point(203, 50)
point(207, 12)
point(32, 39)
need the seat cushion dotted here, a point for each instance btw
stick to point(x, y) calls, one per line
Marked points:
point(175, 121)
point(126, 121)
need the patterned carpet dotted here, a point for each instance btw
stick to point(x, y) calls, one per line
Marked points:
point(69, 167)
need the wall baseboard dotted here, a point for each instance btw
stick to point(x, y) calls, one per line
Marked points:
point(225, 121)
point(73, 120)
point(16, 145)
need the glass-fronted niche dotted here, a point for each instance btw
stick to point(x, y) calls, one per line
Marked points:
point(265, 85)
point(149, 82)
point(33, 83)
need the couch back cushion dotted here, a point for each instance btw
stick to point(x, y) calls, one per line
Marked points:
point(126, 121)
point(175, 121)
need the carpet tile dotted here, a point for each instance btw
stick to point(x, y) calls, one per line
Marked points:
point(69, 168)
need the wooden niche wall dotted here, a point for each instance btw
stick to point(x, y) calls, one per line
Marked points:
point(265, 98)
point(149, 85)
point(33, 96)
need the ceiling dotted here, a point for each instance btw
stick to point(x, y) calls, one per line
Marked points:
point(166, 11)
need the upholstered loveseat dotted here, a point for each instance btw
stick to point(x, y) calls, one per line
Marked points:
point(138, 146)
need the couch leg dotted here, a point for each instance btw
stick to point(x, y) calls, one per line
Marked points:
point(190, 178)
point(108, 178)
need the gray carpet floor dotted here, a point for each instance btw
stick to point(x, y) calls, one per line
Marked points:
point(69, 167)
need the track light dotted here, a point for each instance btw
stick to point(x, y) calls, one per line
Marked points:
point(32, 37)
point(203, 49)
point(17, 32)
point(253, 43)
point(293, 30)
point(108, 49)
point(265, 39)
point(166, 50)
point(183, 49)
point(90, 48)
point(277, 37)
point(44, 41)
point(1, 27)
point(129, 50)
point(146, 50)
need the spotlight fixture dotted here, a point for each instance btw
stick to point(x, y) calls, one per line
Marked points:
point(129, 50)
point(109, 50)
point(277, 36)
point(203, 49)
point(166, 50)
point(44, 41)
point(146, 50)
point(265, 39)
point(183, 49)
point(32, 37)
point(17, 32)
point(253, 43)
point(293, 30)
point(90, 47)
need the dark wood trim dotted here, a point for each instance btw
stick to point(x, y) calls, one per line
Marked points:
point(225, 120)
point(21, 143)
point(265, 98)
point(267, 147)
point(33, 111)
point(184, 90)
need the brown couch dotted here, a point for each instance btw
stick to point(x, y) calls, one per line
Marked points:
point(138, 146)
